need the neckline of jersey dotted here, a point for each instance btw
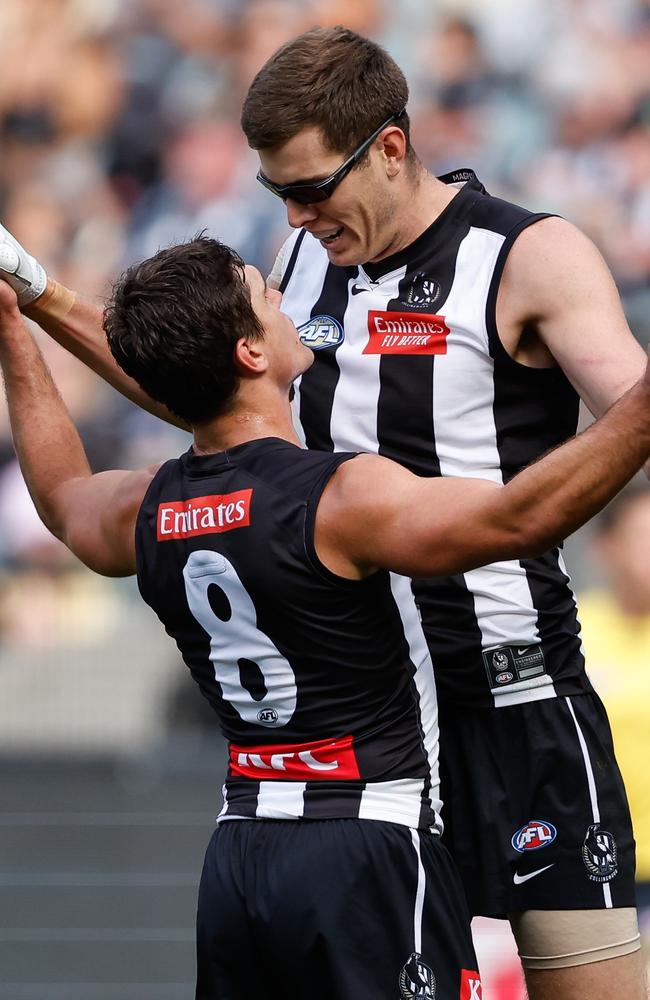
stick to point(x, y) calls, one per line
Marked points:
point(405, 256)
point(229, 456)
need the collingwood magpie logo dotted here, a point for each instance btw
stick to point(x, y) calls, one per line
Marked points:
point(416, 980)
point(423, 291)
point(600, 854)
point(321, 331)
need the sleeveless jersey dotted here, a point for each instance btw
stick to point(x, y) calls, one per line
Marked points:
point(322, 686)
point(409, 364)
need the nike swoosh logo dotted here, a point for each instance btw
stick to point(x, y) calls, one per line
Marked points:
point(518, 879)
point(358, 288)
point(520, 652)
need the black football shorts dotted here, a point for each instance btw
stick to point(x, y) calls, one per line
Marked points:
point(535, 811)
point(340, 909)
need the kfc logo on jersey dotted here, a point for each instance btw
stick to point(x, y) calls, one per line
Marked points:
point(325, 760)
point(204, 515)
point(406, 333)
point(534, 835)
point(470, 985)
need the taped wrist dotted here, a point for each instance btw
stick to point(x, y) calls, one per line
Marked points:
point(55, 302)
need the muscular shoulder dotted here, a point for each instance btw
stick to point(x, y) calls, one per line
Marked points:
point(548, 260)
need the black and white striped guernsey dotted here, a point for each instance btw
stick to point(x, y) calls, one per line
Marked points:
point(323, 687)
point(409, 364)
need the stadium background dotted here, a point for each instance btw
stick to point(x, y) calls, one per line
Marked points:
point(119, 134)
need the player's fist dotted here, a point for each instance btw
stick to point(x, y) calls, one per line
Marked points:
point(24, 273)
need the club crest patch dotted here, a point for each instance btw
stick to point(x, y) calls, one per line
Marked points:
point(600, 854)
point(416, 980)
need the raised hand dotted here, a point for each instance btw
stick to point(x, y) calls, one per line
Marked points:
point(20, 270)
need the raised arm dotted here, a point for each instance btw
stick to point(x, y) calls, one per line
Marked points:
point(74, 323)
point(375, 514)
point(94, 515)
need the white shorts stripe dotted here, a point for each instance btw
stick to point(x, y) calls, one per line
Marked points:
point(593, 794)
point(419, 895)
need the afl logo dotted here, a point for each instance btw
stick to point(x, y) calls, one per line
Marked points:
point(267, 716)
point(320, 332)
point(537, 833)
point(504, 678)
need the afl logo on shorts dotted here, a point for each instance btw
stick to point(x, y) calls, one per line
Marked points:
point(320, 332)
point(537, 833)
point(600, 854)
point(416, 980)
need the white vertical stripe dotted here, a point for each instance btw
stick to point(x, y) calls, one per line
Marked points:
point(466, 436)
point(281, 799)
point(353, 423)
point(303, 291)
point(423, 678)
point(593, 794)
point(419, 895)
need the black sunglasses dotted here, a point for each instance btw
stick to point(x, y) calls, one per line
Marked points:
point(307, 193)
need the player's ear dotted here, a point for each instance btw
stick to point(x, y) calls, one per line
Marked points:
point(250, 356)
point(394, 149)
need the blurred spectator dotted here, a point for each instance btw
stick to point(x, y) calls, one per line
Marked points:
point(615, 619)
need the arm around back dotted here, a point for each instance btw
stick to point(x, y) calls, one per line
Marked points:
point(376, 515)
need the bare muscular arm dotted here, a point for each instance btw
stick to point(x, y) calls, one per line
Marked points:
point(94, 515)
point(557, 302)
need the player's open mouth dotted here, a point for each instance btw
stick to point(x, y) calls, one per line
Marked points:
point(330, 238)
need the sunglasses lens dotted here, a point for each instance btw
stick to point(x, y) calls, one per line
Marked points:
point(307, 195)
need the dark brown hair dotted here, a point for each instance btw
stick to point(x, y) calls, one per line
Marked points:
point(172, 324)
point(333, 78)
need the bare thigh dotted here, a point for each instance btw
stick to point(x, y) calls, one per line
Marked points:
point(613, 979)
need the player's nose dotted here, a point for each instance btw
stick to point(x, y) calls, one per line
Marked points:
point(299, 215)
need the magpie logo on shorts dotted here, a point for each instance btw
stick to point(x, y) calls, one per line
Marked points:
point(416, 980)
point(321, 331)
point(534, 835)
point(600, 854)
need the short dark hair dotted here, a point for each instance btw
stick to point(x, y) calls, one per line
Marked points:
point(332, 78)
point(172, 324)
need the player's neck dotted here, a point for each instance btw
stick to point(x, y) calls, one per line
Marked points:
point(422, 203)
point(256, 415)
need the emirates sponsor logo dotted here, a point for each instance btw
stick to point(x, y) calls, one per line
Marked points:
point(324, 760)
point(204, 515)
point(406, 333)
